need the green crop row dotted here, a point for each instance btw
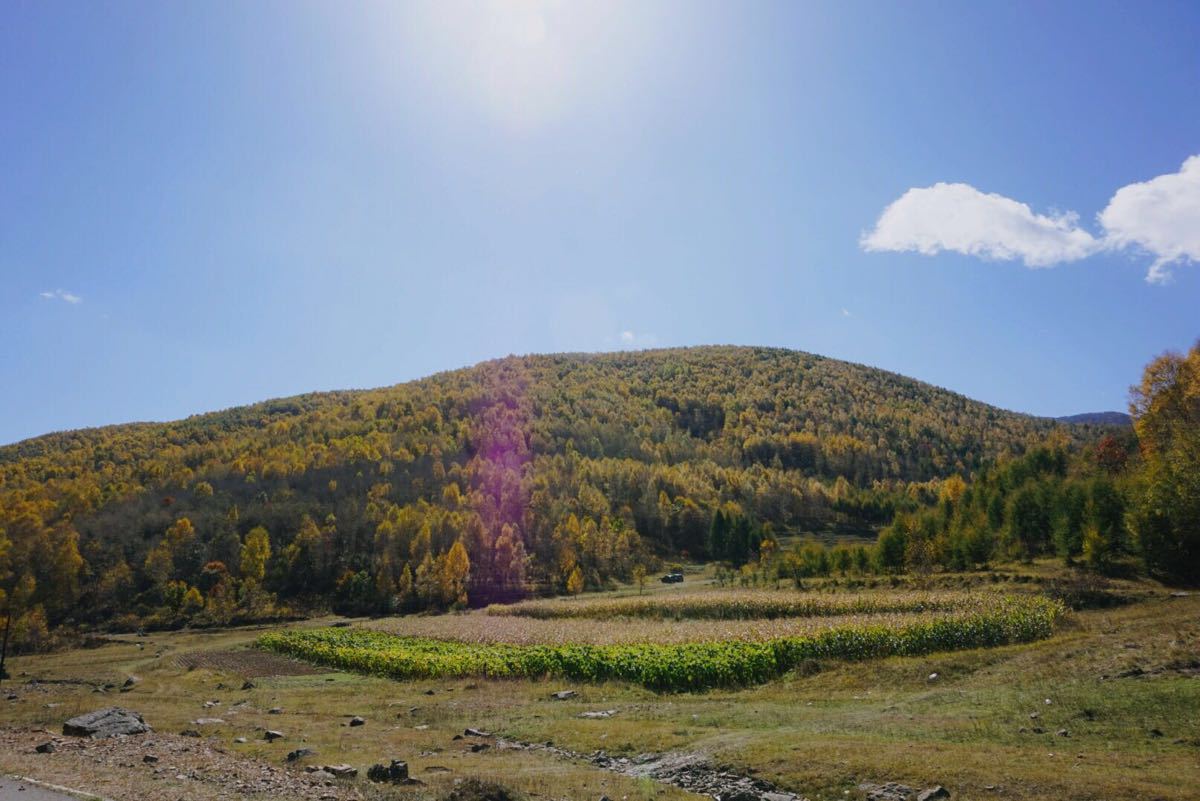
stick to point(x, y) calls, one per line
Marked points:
point(738, 605)
point(683, 666)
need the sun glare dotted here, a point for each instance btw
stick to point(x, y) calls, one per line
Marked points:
point(523, 63)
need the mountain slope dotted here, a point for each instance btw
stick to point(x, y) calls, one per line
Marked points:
point(1099, 418)
point(540, 466)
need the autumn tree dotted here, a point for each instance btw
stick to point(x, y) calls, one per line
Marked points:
point(192, 602)
point(1166, 514)
point(256, 550)
point(575, 581)
point(158, 565)
point(455, 574)
point(187, 555)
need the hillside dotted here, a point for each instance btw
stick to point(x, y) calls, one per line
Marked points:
point(546, 469)
point(1099, 418)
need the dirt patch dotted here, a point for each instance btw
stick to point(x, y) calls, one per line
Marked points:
point(248, 663)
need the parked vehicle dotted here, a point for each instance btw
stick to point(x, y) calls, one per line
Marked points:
point(672, 578)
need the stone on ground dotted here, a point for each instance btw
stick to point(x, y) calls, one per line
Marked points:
point(106, 723)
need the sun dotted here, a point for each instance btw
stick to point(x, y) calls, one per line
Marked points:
point(524, 63)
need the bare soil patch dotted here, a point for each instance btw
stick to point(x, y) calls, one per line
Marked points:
point(248, 663)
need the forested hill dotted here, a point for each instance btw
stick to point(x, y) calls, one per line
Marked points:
point(1099, 418)
point(544, 468)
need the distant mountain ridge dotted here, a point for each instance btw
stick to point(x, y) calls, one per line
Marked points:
point(1098, 418)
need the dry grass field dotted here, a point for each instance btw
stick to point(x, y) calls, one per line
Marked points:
point(1107, 708)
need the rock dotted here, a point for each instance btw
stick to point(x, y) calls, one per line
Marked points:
point(341, 771)
point(189, 733)
point(149, 759)
point(606, 713)
point(300, 753)
point(271, 735)
point(933, 794)
point(130, 683)
point(275, 710)
point(476, 733)
point(239, 740)
point(564, 695)
point(478, 747)
point(248, 685)
point(933, 677)
point(396, 772)
point(106, 723)
point(357, 721)
point(46, 748)
point(1062, 733)
point(891, 791)
point(211, 704)
point(741, 794)
point(1156, 733)
point(208, 722)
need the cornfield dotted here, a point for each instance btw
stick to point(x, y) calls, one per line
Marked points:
point(669, 667)
point(736, 605)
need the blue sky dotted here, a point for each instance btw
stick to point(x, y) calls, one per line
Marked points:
point(203, 205)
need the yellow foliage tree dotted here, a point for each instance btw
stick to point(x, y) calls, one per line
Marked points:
point(193, 601)
point(575, 581)
point(256, 550)
point(158, 564)
point(455, 573)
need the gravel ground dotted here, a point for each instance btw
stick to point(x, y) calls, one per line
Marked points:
point(155, 766)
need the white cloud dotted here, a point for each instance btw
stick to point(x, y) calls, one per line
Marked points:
point(59, 294)
point(960, 218)
point(1160, 217)
point(627, 337)
point(846, 313)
